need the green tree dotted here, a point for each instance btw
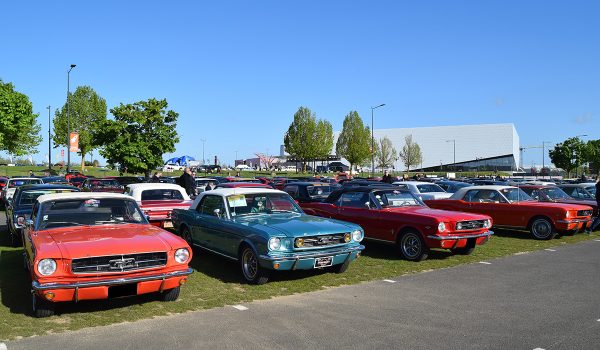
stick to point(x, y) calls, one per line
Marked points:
point(354, 142)
point(87, 112)
point(19, 130)
point(323, 139)
point(385, 153)
point(411, 153)
point(569, 154)
point(299, 140)
point(139, 135)
point(592, 154)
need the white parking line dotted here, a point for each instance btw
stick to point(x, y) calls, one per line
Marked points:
point(598, 320)
point(237, 307)
point(539, 349)
point(597, 240)
point(485, 262)
point(2, 346)
point(389, 281)
point(550, 250)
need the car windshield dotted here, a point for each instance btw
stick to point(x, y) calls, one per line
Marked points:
point(102, 183)
point(395, 198)
point(591, 190)
point(429, 188)
point(54, 180)
point(28, 197)
point(318, 191)
point(89, 212)
point(21, 182)
point(261, 204)
point(556, 193)
point(515, 195)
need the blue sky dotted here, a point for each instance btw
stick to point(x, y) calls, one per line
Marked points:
point(236, 71)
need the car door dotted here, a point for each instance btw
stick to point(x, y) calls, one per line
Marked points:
point(492, 203)
point(352, 208)
point(206, 221)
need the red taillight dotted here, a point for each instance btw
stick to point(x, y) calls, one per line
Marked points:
point(20, 220)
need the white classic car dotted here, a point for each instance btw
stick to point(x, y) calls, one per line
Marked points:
point(157, 200)
point(424, 190)
point(11, 185)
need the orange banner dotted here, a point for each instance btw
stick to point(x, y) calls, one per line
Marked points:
point(74, 142)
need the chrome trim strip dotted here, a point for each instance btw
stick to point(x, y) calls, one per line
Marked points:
point(445, 238)
point(574, 221)
point(380, 240)
point(313, 255)
point(213, 251)
point(35, 285)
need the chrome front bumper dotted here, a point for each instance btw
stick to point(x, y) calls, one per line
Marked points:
point(35, 286)
point(313, 255)
point(446, 238)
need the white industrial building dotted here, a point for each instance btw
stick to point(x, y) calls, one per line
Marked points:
point(459, 147)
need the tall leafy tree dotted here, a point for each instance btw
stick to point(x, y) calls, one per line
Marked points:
point(323, 139)
point(299, 140)
point(569, 154)
point(593, 154)
point(87, 112)
point(139, 135)
point(19, 130)
point(354, 142)
point(411, 153)
point(386, 154)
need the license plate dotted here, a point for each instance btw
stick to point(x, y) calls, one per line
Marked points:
point(323, 262)
point(168, 224)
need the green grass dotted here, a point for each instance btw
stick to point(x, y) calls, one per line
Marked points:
point(216, 282)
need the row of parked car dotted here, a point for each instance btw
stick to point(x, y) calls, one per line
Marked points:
point(98, 244)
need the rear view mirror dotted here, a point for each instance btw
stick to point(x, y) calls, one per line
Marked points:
point(368, 205)
point(217, 212)
point(29, 223)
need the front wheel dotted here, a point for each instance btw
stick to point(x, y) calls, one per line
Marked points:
point(41, 307)
point(541, 228)
point(341, 268)
point(412, 247)
point(187, 235)
point(171, 294)
point(463, 251)
point(251, 270)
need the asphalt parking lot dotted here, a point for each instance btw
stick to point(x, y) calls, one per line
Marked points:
point(547, 299)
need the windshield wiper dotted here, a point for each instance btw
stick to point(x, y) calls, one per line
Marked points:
point(281, 211)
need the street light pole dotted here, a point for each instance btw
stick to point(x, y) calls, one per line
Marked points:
point(373, 141)
point(49, 141)
point(203, 160)
point(68, 119)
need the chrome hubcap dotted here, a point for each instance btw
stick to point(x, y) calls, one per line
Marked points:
point(411, 245)
point(541, 229)
point(249, 263)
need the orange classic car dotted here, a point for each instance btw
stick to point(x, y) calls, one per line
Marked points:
point(81, 246)
point(511, 207)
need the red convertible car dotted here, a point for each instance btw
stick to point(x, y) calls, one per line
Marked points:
point(557, 195)
point(510, 207)
point(396, 216)
point(81, 246)
point(101, 185)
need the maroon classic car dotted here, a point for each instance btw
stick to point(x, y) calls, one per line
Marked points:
point(557, 195)
point(101, 185)
point(157, 201)
point(396, 216)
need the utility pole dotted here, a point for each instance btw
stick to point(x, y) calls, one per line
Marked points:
point(203, 160)
point(49, 141)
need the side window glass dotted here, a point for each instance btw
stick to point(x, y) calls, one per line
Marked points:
point(570, 192)
point(535, 194)
point(210, 203)
point(470, 196)
point(292, 191)
point(582, 194)
point(354, 199)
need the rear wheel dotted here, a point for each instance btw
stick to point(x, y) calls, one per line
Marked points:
point(541, 228)
point(171, 294)
point(412, 247)
point(41, 307)
point(251, 270)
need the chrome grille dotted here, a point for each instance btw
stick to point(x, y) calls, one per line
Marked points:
point(320, 241)
point(119, 263)
point(470, 225)
point(584, 212)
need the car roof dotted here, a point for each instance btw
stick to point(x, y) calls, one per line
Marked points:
point(308, 183)
point(150, 185)
point(46, 187)
point(81, 195)
point(461, 191)
point(224, 192)
point(413, 182)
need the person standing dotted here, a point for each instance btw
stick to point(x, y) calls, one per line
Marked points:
point(596, 222)
point(387, 178)
point(156, 177)
point(187, 181)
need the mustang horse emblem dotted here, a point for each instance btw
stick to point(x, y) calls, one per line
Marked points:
point(121, 264)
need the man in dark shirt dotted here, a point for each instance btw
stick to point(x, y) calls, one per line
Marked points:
point(187, 181)
point(387, 178)
point(596, 222)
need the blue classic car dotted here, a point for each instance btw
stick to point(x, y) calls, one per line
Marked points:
point(266, 230)
point(19, 207)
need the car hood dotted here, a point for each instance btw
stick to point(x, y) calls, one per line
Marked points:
point(295, 225)
point(441, 215)
point(558, 205)
point(590, 203)
point(79, 242)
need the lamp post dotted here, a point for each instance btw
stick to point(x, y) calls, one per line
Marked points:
point(69, 120)
point(373, 141)
point(235, 160)
point(49, 141)
point(203, 160)
point(454, 162)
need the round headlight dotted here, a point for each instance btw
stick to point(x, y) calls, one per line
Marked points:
point(299, 242)
point(182, 255)
point(487, 223)
point(46, 267)
point(459, 226)
point(274, 243)
point(441, 227)
point(357, 235)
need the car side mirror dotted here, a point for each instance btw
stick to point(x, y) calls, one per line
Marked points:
point(368, 205)
point(29, 223)
point(217, 212)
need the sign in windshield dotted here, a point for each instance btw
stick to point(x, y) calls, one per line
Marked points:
point(261, 203)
